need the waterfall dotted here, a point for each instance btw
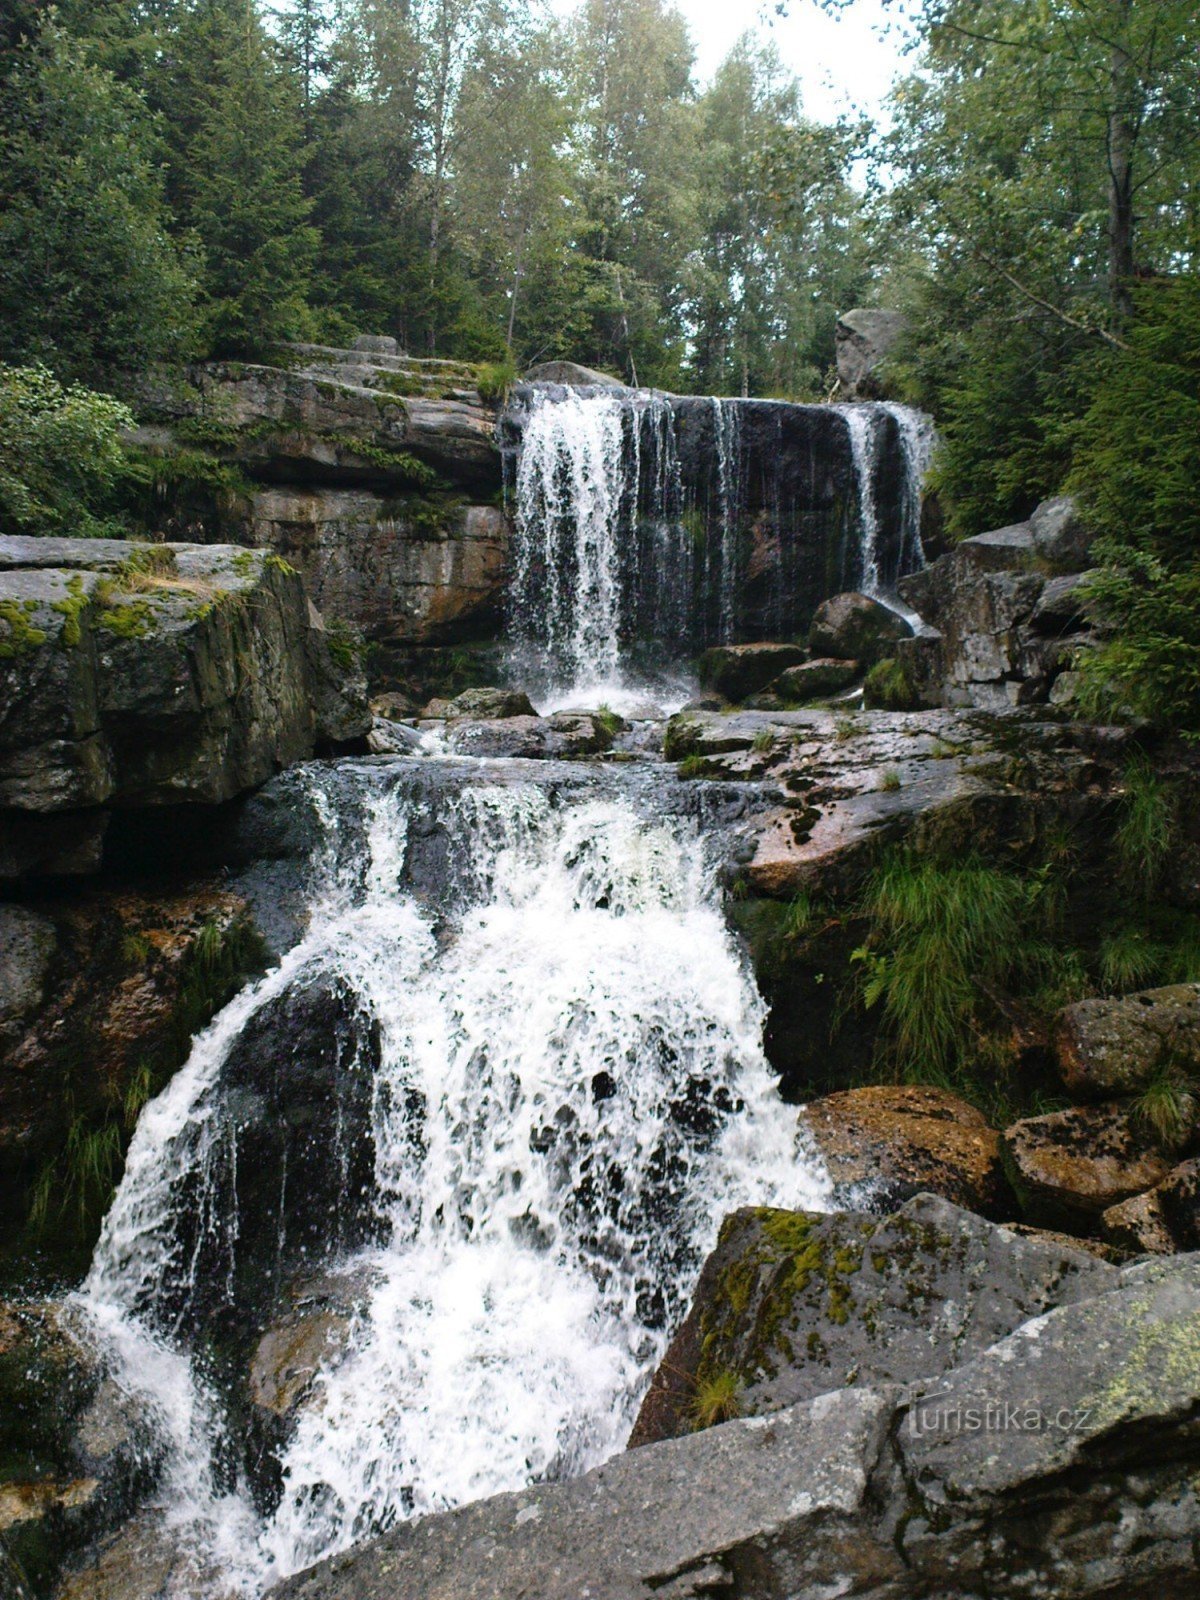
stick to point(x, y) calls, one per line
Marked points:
point(917, 441)
point(862, 427)
point(648, 526)
point(567, 1093)
point(727, 431)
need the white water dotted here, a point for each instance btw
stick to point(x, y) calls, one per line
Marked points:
point(559, 1043)
point(862, 426)
point(918, 439)
point(727, 429)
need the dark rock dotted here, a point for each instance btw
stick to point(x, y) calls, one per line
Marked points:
point(815, 680)
point(27, 945)
point(404, 569)
point(1111, 1047)
point(392, 738)
point(1070, 1166)
point(794, 1305)
point(1179, 1203)
point(525, 737)
point(1061, 535)
point(737, 670)
point(865, 339)
point(1064, 606)
point(853, 627)
point(883, 1144)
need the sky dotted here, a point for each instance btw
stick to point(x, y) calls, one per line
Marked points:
point(843, 64)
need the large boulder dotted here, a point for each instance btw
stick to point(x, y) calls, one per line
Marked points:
point(1116, 1046)
point(1061, 535)
point(1070, 1166)
point(738, 670)
point(854, 627)
point(1056, 1462)
point(814, 680)
point(790, 1306)
point(489, 705)
point(883, 1144)
point(864, 339)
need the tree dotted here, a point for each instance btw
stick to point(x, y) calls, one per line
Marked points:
point(90, 279)
point(232, 117)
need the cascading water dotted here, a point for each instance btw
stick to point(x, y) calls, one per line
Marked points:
point(862, 427)
point(649, 526)
point(566, 1092)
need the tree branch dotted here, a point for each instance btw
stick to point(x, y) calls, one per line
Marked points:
point(1045, 305)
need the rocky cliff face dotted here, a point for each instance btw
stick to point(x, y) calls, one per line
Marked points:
point(136, 676)
point(376, 476)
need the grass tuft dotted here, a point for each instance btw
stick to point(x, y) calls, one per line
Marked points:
point(717, 1399)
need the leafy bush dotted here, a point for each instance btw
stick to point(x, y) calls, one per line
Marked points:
point(61, 460)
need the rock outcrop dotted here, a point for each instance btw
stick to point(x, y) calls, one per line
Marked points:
point(1028, 1432)
point(865, 338)
point(149, 675)
point(1006, 614)
point(854, 627)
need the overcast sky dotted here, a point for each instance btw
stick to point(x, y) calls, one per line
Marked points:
point(842, 64)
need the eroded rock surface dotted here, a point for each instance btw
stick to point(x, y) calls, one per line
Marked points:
point(1070, 1166)
point(1115, 1046)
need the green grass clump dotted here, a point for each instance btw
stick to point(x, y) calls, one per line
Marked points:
point(763, 741)
point(717, 1399)
point(890, 781)
point(693, 767)
point(1167, 1107)
point(887, 688)
point(494, 379)
point(609, 720)
point(1146, 834)
point(936, 928)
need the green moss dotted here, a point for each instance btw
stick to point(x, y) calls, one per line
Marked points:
point(73, 604)
point(133, 619)
point(887, 688)
point(18, 636)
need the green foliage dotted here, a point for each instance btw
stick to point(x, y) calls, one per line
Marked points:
point(609, 720)
point(1148, 826)
point(61, 459)
point(693, 766)
point(345, 644)
point(1138, 470)
point(763, 742)
point(1167, 1106)
point(90, 279)
point(494, 379)
point(887, 688)
point(936, 928)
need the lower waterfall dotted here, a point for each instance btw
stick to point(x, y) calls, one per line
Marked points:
point(556, 1059)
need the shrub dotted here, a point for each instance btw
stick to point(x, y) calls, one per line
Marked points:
point(61, 459)
point(494, 379)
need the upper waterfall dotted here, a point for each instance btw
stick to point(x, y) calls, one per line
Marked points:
point(649, 526)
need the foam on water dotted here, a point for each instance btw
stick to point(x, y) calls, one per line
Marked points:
point(571, 1093)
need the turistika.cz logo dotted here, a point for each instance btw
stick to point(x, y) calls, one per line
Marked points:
point(938, 1414)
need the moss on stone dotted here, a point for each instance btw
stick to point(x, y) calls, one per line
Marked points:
point(70, 608)
point(18, 635)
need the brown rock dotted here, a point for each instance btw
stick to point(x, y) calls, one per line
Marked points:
point(1071, 1166)
point(1115, 1046)
point(1139, 1225)
point(813, 680)
point(884, 1144)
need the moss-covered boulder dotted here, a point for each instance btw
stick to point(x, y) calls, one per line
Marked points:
point(738, 670)
point(1116, 1046)
point(792, 1305)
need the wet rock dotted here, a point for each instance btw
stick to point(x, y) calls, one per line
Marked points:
point(74, 1453)
point(853, 627)
point(27, 945)
point(527, 737)
point(1061, 535)
point(883, 1144)
point(392, 738)
point(1056, 1462)
point(1109, 1047)
point(864, 339)
point(815, 680)
point(792, 1305)
point(1070, 1166)
point(582, 733)
point(310, 1335)
point(1064, 605)
point(737, 670)
point(145, 1560)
